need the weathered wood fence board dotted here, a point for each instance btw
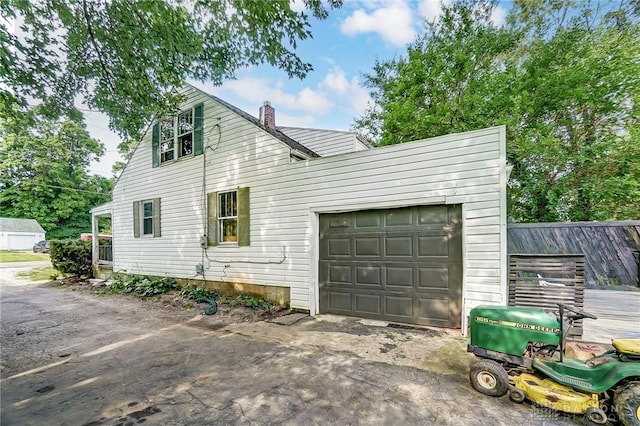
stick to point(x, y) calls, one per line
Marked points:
point(611, 249)
point(544, 281)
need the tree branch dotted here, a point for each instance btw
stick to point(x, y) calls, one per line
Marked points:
point(95, 46)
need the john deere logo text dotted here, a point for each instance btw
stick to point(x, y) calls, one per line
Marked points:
point(518, 325)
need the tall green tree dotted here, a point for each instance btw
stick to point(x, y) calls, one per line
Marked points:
point(563, 77)
point(125, 57)
point(44, 172)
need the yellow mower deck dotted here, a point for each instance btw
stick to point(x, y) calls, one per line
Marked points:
point(548, 393)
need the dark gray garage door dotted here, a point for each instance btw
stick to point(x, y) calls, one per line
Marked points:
point(402, 265)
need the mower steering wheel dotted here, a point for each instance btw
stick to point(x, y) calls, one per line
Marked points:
point(579, 314)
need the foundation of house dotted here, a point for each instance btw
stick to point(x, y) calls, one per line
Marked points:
point(102, 271)
point(276, 294)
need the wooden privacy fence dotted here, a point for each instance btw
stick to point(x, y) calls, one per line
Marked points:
point(543, 281)
point(611, 249)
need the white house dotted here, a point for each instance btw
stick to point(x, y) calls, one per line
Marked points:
point(19, 234)
point(412, 233)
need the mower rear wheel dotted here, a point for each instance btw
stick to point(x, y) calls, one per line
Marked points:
point(627, 404)
point(488, 377)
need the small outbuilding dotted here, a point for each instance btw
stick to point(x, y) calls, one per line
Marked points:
point(19, 234)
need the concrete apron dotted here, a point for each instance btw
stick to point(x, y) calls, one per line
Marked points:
point(437, 350)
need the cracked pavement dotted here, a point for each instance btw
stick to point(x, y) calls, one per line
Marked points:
point(71, 358)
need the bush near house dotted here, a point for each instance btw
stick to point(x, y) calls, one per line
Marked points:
point(72, 257)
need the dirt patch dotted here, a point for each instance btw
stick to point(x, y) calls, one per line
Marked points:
point(172, 304)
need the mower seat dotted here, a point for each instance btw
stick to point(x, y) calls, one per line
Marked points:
point(627, 346)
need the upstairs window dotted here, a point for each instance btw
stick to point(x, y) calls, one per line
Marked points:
point(178, 136)
point(185, 133)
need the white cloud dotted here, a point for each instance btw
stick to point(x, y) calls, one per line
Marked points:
point(349, 91)
point(431, 10)
point(297, 5)
point(498, 16)
point(393, 22)
point(336, 80)
point(257, 89)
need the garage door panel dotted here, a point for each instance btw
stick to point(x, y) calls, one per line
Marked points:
point(339, 222)
point(433, 246)
point(398, 217)
point(368, 246)
point(399, 246)
point(399, 307)
point(398, 276)
point(340, 301)
point(433, 309)
point(368, 304)
point(339, 247)
point(400, 265)
point(436, 277)
point(369, 276)
point(431, 215)
point(368, 219)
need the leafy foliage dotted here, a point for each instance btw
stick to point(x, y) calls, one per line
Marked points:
point(125, 57)
point(195, 292)
point(72, 257)
point(248, 300)
point(142, 285)
point(44, 172)
point(564, 78)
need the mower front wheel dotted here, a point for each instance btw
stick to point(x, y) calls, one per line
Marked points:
point(488, 377)
point(627, 404)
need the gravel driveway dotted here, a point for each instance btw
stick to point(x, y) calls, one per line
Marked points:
point(70, 358)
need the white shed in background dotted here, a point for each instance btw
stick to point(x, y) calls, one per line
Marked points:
point(19, 234)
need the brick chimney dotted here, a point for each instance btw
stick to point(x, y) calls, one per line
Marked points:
point(268, 115)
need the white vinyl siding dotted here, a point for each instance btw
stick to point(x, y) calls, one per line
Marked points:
point(466, 169)
point(325, 142)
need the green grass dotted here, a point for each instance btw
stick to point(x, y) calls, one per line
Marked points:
point(40, 274)
point(17, 256)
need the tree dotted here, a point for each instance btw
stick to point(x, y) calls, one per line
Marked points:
point(125, 57)
point(44, 173)
point(563, 77)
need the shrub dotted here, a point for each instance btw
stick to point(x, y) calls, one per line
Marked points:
point(72, 257)
point(143, 286)
point(195, 292)
point(250, 301)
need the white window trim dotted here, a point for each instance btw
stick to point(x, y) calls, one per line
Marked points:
point(222, 218)
point(143, 217)
point(177, 149)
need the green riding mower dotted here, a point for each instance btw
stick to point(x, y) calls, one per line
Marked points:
point(523, 353)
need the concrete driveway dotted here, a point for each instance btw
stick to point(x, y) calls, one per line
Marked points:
point(76, 359)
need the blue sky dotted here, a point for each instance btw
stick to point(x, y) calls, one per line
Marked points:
point(344, 46)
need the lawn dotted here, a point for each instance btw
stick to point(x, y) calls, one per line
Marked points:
point(18, 256)
point(40, 274)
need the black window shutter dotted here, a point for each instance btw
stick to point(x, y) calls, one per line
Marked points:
point(136, 219)
point(212, 219)
point(155, 145)
point(198, 129)
point(156, 217)
point(243, 217)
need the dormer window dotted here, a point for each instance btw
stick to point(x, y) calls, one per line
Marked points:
point(178, 136)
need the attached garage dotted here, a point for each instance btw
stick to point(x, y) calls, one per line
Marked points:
point(401, 264)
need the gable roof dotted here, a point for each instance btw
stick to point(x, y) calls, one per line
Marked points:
point(273, 132)
point(10, 224)
point(329, 132)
